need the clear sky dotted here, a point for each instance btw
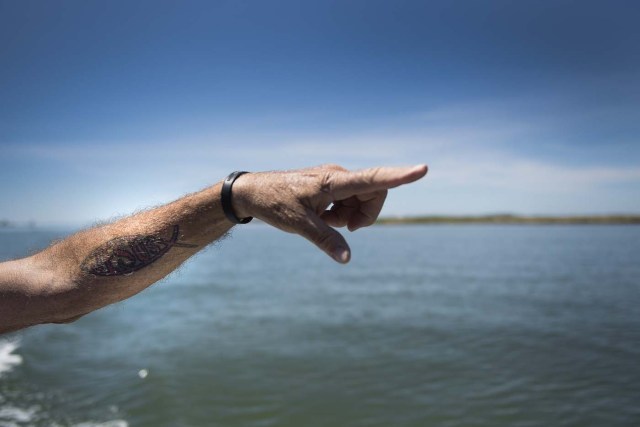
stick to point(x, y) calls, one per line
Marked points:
point(530, 107)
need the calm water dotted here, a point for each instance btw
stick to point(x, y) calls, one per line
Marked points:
point(428, 326)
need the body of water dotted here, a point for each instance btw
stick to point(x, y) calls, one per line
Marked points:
point(473, 325)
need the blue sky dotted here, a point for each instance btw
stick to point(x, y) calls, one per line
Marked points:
point(517, 106)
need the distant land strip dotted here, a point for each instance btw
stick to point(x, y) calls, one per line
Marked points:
point(512, 219)
point(467, 219)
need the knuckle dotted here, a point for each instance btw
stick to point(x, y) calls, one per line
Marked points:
point(370, 176)
point(327, 183)
point(323, 240)
point(333, 166)
point(375, 173)
point(368, 219)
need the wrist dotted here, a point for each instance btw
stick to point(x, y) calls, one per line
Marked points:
point(241, 196)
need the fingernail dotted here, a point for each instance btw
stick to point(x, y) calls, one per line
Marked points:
point(342, 255)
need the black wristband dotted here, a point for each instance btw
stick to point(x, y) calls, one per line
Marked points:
point(226, 199)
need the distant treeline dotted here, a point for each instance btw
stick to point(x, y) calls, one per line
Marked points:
point(513, 219)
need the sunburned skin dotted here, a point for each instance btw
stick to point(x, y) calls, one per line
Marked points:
point(126, 254)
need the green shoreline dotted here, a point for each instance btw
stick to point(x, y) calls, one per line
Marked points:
point(513, 219)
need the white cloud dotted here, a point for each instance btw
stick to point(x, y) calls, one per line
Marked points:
point(475, 165)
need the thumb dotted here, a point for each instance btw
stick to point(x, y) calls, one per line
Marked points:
point(326, 238)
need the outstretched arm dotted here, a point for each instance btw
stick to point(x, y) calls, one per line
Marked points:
point(109, 263)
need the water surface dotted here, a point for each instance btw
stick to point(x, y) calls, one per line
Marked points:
point(473, 325)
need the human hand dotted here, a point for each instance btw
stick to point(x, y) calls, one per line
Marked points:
point(297, 201)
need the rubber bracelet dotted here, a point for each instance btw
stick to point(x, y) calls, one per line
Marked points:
point(227, 208)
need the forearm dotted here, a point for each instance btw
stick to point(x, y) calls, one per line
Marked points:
point(109, 263)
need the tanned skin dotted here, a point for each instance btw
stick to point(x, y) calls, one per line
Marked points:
point(109, 263)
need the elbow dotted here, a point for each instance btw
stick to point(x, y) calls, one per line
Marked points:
point(67, 303)
point(5, 329)
point(34, 292)
point(56, 301)
point(37, 308)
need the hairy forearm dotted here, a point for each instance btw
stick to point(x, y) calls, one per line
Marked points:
point(108, 263)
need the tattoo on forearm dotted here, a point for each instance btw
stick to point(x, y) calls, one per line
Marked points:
point(126, 254)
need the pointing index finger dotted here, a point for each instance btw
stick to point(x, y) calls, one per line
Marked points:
point(370, 180)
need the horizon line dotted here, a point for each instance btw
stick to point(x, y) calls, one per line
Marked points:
point(495, 218)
